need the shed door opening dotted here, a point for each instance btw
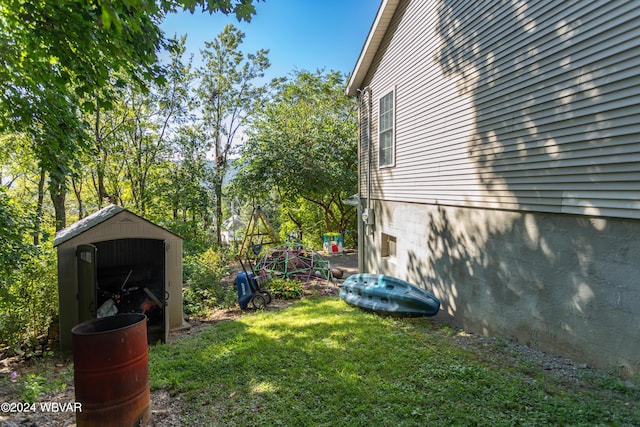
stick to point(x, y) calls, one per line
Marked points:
point(131, 279)
point(87, 280)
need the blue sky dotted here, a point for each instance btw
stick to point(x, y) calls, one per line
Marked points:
point(300, 34)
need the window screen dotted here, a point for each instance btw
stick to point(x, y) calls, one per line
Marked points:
point(385, 126)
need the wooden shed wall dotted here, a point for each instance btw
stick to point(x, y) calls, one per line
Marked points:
point(511, 105)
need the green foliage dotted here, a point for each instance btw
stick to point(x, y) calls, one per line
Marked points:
point(85, 105)
point(285, 288)
point(75, 46)
point(304, 140)
point(33, 386)
point(303, 144)
point(242, 9)
point(202, 277)
point(227, 94)
point(186, 186)
point(12, 227)
point(48, 378)
point(302, 217)
point(197, 238)
point(307, 218)
point(55, 53)
point(64, 63)
point(323, 363)
point(28, 301)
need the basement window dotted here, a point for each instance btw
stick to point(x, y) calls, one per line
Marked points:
point(388, 248)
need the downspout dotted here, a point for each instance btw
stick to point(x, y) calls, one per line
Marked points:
point(363, 228)
point(367, 91)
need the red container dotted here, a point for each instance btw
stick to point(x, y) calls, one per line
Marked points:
point(111, 371)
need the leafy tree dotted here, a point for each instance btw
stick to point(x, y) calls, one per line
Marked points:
point(188, 190)
point(52, 53)
point(129, 147)
point(79, 43)
point(65, 68)
point(303, 143)
point(227, 95)
point(55, 53)
point(12, 227)
point(106, 122)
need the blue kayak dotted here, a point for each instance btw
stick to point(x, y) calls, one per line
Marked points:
point(388, 295)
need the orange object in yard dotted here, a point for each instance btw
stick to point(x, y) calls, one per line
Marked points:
point(111, 371)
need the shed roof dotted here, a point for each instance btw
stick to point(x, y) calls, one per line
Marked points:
point(91, 221)
point(371, 45)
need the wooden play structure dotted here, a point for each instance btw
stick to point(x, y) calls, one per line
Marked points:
point(259, 233)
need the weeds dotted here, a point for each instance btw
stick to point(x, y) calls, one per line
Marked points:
point(204, 292)
point(285, 289)
point(45, 378)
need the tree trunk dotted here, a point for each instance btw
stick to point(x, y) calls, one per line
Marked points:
point(39, 208)
point(77, 191)
point(103, 197)
point(58, 197)
point(218, 190)
point(219, 176)
point(297, 223)
point(102, 192)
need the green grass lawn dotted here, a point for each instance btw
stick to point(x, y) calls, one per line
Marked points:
point(321, 362)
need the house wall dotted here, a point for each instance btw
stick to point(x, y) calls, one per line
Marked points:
point(515, 193)
point(511, 105)
point(567, 284)
point(123, 225)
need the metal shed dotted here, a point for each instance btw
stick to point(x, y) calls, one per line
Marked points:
point(116, 261)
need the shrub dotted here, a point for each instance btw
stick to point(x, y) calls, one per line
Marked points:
point(285, 288)
point(203, 291)
point(28, 301)
point(13, 227)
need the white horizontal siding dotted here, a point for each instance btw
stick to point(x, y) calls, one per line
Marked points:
point(512, 105)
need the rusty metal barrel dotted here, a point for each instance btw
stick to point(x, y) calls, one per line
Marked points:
point(111, 371)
